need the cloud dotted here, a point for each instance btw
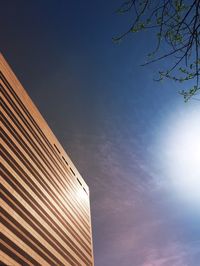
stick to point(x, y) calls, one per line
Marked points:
point(131, 224)
point(175, 254)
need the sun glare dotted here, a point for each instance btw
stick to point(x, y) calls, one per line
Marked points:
point(182, 153)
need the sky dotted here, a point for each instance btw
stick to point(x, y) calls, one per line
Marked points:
point(134, 141)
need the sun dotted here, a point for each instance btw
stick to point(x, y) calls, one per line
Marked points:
point(182, 153)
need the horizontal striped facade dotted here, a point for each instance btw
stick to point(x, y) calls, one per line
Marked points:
point(45, 207)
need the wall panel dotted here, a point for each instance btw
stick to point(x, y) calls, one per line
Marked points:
point(45, 206)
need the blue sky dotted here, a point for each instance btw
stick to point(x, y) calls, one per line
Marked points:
point(113, 120)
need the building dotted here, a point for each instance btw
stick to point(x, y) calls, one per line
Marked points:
point(45, 206)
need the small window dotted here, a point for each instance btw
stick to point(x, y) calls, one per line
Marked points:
point(65, 160)
point(79, 181)
point(85, 190)
point(56, 148)
point(72, 171)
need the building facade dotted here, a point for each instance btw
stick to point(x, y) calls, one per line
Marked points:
point(45, 206)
